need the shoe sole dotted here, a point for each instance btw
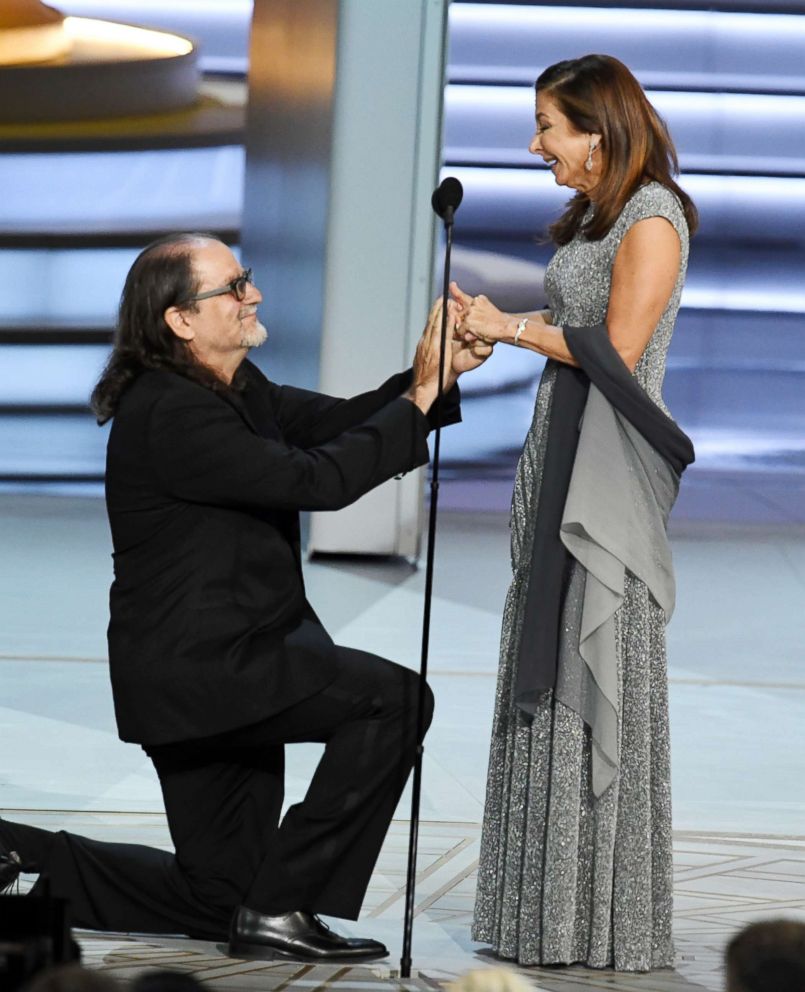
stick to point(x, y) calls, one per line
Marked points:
point(262, 952)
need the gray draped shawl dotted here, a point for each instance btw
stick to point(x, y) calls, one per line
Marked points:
point(612, 468)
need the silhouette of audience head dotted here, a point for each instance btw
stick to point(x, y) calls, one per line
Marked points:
point(74, 978)
point(767, 957)
point(71, 978)
point(490, 980)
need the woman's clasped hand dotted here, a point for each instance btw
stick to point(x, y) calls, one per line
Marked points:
point(478, 319)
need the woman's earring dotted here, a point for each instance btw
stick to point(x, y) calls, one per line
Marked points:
point(588, 165)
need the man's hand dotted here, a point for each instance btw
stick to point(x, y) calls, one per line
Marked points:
point(424, 388)
point(469, 354)
point(465, 353)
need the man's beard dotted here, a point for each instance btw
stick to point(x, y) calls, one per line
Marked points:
point(255, 337)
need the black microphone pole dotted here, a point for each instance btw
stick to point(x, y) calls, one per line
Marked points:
point(445, 201)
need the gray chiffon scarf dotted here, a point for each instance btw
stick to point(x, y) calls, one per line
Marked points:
point(620, 495)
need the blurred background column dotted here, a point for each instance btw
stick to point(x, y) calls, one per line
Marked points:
point(342, 154)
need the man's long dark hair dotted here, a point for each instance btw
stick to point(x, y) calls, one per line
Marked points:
point(162, 276)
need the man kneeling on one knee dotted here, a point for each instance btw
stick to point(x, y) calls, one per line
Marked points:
point(217, 658)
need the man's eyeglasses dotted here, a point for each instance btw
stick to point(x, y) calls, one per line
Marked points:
point(238, 288)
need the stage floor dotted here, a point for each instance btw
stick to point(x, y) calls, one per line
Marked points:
point(738, 729)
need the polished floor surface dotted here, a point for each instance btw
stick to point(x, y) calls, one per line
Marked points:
point(738, 730)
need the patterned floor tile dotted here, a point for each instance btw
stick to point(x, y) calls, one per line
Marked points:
point(723, 883)
point(738, 712)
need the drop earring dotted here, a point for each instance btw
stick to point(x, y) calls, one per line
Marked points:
point(588, 165)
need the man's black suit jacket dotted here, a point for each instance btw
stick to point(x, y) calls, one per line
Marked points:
point(210, 628)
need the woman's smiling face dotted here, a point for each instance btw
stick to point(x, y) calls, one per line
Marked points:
point(564, 148)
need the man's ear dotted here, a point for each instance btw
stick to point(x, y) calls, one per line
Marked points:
point(176, 319)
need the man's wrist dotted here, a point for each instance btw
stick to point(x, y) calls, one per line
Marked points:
point(422, 395)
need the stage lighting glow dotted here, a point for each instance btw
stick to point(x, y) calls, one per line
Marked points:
point(42, 43)
point(672, 48)
point(30, 32)
point(123, 38)
point(221, 28)
point(111, 70)
point(145, 8)
point(492, 125)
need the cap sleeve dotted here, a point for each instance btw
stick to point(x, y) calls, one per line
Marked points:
point(653, 200)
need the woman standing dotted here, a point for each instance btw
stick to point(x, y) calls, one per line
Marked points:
point(576, 845)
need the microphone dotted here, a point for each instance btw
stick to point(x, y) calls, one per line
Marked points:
point(446, 199)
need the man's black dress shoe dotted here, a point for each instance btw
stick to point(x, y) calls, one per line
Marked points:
point(299, 936)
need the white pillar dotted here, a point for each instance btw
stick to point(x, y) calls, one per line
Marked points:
point(380, 239)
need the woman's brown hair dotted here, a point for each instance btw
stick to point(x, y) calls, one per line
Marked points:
point(599, 95)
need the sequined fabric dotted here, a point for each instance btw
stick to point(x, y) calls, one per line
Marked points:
point(564, 877)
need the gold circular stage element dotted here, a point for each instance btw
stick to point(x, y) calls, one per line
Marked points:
point(30, 31)
point(110, 70)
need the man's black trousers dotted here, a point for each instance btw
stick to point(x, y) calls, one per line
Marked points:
point(223, 798)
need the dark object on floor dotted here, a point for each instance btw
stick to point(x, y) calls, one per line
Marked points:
point(166, 981)
point(34, 935)
point(298, 936)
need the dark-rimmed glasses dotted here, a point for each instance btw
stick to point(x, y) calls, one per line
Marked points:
point(238, 288)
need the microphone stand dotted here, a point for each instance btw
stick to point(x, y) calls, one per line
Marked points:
point(416, 787)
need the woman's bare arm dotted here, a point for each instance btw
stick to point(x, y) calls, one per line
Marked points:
point(643, 278)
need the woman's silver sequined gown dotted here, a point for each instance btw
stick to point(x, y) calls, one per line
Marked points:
point(564, 877)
